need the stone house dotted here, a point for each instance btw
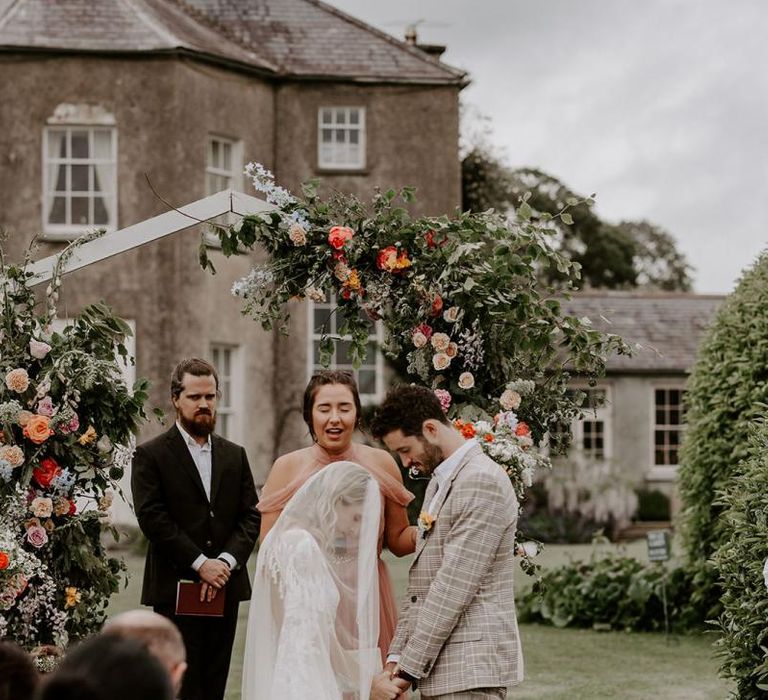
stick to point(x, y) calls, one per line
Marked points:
point(634, 417)
point(113, 110)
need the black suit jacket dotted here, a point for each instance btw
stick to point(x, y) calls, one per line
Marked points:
point(180, 523)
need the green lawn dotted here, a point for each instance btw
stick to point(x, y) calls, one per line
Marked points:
point(559, 664)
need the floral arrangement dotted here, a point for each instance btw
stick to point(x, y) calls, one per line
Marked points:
point(66, 428)
point(460, 298)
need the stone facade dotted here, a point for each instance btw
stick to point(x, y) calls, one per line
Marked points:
point(165, 106)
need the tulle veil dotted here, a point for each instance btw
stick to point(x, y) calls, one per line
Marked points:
point(313, 620)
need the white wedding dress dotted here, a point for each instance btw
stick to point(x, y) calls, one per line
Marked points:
point(313, 621)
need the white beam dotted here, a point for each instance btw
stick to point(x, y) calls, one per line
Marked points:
point(152, 229)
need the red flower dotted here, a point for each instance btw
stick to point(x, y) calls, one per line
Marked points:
point(431, 238)
point(339, 235)
point(45, 473)
point(424, 329)
point(437, 305)
point(388, 259)
point(4, 560)
point(339, 255)
point(522, 429)
point(488, 437)
point(72, 508)
point(468, 430)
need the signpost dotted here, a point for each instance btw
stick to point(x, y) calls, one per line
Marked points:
point(659, 550)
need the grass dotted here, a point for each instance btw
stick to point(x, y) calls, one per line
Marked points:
point(560, 664)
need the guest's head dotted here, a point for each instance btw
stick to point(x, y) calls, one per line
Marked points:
point(332, 409)
point(194, 394)
point(18, 676)
point(158, 634)
point(411, 422)
point(108, 667)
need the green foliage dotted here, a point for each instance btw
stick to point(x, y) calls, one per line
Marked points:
point(67, 421)
point(727, 392)
point(743, 644)
point(611, 592)
point(615, 256)
point(652, 505)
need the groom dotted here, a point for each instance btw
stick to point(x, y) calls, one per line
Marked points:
point(457, 636)
point(195, 501)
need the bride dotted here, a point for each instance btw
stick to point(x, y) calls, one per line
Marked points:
point(314, 615)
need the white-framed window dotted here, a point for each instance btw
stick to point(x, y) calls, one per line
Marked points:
point(341, 138)
point(591, 434)
point(667, 434)
point(224, 164)
point(79, 179)
point(228, 363)
point(370, 375)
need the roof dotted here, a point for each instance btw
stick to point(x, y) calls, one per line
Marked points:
point(664, 329)
point(298, 39)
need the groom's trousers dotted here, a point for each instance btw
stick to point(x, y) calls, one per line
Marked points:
point(474, 694)
point(208, 641)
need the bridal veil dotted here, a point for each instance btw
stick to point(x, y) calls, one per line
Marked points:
point(313, 620)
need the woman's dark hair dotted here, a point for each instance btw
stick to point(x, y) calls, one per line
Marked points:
point(18, 675)
point(406, 408)
point(108, 667)
point(194, 366)
point(325, 378)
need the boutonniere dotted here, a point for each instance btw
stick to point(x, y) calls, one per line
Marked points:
point(426, 521)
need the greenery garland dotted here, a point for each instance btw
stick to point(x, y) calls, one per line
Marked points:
point(67, 422)
point(461, 300)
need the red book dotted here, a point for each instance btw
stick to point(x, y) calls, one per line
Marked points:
point(188, 600)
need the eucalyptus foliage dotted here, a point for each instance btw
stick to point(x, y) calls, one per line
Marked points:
point(739, 560)
point(726, 392)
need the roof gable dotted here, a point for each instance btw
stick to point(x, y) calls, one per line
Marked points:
point(664, 330)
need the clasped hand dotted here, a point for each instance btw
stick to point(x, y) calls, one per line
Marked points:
point(386, 685)
point(215, 574)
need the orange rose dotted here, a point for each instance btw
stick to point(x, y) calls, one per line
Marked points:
point(4, 560)
point(339, 235)
point(38, 430)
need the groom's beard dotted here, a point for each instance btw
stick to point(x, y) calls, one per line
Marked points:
point(429, 459)
point(202, 425)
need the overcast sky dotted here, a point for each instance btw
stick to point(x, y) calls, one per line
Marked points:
point(658, 106)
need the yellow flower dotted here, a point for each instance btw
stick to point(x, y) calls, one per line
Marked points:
point(426, 520)
point(88, 436)
point(73, 596)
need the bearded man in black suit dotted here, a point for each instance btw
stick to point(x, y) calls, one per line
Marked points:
point(195, 501)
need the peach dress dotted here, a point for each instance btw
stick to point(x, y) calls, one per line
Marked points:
point(391, 489)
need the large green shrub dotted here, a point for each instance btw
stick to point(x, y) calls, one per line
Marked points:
point(725, 392)
point(739, 562)
point(611, 592)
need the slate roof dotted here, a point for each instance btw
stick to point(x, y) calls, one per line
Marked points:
point(665, 329)
point(299, 39)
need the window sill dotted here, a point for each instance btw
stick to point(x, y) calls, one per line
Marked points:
point(661, 474)
point(66, 235)
point(342, 171)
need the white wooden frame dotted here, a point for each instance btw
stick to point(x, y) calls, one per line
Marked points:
point(328, 163)
point(659, 472)
point(157, 227)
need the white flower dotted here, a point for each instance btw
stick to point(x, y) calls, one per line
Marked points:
point(483, 426)
point(41, 507)
point(441, 361)
point(440, 342)
point(510, 400)
point(104, 444)
point(527, 475)
point(765, 573)
point(38, 349)
point(530, 549)
point(419, 339)
point(466, 380)
point(452, 315)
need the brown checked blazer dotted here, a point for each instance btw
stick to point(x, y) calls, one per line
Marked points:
point(458, 628)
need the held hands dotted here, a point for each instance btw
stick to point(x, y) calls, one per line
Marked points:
point(387, 686)
point(215, 574)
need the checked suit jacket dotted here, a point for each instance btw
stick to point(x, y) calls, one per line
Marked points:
point(181, 523)
point(458, 627)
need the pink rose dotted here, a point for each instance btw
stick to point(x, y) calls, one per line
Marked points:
point(17, 380)
point(38, 349)
point(45, 407)
point(339, 235)
point(466, 380)
point(37, 536)
point(419, 339)
point(510, 400)
point(441, 361)
point(424, 329)
point(440, 342)
point(444, 397)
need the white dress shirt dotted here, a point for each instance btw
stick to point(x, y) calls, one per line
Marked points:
point(202, 457)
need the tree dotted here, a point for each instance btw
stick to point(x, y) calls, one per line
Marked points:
point(614, 256)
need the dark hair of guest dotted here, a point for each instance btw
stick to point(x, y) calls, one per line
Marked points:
point(405, 408)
